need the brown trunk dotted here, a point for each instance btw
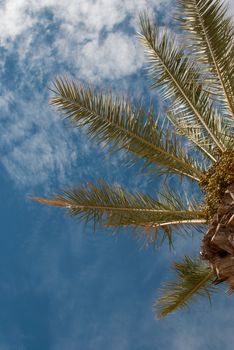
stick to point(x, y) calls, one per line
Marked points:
point(218, 242)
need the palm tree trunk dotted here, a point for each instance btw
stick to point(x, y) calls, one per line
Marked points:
point(218, 242)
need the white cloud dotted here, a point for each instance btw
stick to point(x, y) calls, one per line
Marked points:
point(5, 100)
point(34, 144)
point(50, 37)
point(80, 26)
point(117, 56)
point(36, 158)
point(20, 15)
point(15, 18)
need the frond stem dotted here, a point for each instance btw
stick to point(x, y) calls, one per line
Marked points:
point(178, 222)
point(68, 205)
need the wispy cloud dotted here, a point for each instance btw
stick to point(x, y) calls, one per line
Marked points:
point(21, 15)
point(34, 144)
point(93, 41)
point(117, 56)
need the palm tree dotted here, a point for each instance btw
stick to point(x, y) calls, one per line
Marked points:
point(194, 73)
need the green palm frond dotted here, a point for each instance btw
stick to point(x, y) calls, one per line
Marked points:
point(179, 81)
point(175, 213)
point(193, 135)
point(114, 206)
point(193, 278)
point(211, 40)
point(118, 123)
point(196, 137)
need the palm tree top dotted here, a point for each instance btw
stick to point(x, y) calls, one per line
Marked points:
point(194, 74)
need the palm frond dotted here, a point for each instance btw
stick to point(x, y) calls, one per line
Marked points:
point(197, 138)
point(179, 81)
point(165, 222)
point(193, 278)
point(211, 38)
point(118, 123)
point(113, 206)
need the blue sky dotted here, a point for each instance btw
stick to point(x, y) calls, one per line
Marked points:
point(61, 286)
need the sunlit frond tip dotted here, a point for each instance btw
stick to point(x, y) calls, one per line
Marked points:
point(193, 278)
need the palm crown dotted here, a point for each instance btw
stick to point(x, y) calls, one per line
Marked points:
point(194, 73)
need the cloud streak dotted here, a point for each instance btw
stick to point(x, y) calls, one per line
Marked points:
point(92, 40)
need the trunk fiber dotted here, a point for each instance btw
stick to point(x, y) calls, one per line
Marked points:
point(218, 242)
